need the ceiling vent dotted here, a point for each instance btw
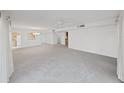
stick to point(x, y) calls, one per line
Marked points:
point(80, 26)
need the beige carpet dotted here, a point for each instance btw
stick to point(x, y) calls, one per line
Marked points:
point(55, 63)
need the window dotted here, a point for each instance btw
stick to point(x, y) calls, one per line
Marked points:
point(33, 35)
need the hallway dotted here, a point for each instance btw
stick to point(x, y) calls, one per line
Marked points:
point(58, 64)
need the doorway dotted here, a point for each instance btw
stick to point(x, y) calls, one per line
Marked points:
point(66, 39)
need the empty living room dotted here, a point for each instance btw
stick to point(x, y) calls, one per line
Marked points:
point(61, 46)
point(52, 46)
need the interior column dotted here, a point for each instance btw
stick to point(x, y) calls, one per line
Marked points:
point(120, 60)
point(5, 50)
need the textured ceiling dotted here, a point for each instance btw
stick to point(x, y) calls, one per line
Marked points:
point(48, 19)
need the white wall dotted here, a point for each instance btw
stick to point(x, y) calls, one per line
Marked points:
point(25, 42)
point(6, 65)
point(44, 37)
point(59, 37)
point(52, 37)
point(100, 40)
point(49, 38)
